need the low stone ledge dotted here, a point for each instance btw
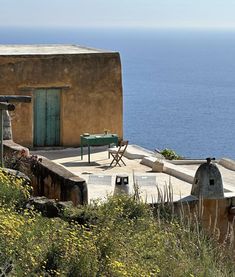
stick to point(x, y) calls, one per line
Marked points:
point(137, 152)
point(227, 163)
point(55, 181)
point(13, 149)
point(174, 170)
point(48, 178)
point(187, 162)
point(148, 161)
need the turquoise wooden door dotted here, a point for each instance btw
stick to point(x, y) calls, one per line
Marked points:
point(46, 117)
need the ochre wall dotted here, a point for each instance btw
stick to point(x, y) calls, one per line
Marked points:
point(91, 92)
point(217, 216)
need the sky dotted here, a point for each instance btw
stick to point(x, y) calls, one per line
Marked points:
point(118, 13)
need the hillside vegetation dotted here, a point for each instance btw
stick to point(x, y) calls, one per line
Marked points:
point(122, 237)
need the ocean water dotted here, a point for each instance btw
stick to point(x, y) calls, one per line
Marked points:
point(178, 85)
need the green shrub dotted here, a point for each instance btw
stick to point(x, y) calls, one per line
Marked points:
point(130, 242)
point(39, 246)
point(120, 237)
point(13, 190)
point(170, 154)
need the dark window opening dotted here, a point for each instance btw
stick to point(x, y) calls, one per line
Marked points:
point(196, 181)
point(212, 182)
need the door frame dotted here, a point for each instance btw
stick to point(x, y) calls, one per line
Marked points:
point(59, 89)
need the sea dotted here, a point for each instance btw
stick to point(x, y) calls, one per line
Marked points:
point(178, 85)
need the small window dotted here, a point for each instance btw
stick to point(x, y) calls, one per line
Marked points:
point(118, 181)
point(125, 180)
point(212, 182)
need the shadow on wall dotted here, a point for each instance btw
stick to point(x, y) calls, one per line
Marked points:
point(48, 178)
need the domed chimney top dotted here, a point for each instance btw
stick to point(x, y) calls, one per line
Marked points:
point(208, 182)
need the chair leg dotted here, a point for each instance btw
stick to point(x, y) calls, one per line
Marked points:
point(112, 160)
point(121, 160)
point(115, 159)
point(117, 163)
point(123, 163)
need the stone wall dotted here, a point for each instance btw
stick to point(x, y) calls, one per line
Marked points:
point(48, 178)
point(90, 97)
point(215, 215)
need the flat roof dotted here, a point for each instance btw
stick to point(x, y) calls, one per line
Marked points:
point(46, 49)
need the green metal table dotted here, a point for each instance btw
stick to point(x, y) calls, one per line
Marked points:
point(97, 140)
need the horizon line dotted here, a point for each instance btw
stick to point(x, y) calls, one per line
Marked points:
point(121, 27)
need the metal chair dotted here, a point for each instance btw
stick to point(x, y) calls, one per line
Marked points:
point(117, 153)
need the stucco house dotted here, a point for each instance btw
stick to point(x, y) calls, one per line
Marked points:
point(74, 90)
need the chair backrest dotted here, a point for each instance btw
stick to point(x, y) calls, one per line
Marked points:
point(122, 147)
point(118, 152)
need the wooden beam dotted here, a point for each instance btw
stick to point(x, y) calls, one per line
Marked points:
point(6, 106)
point(25, 89)
point(15, 98)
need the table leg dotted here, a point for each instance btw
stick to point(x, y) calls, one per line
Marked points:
point(89, 160)
point(81, 152)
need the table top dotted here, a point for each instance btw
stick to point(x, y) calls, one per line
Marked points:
point(99, 136)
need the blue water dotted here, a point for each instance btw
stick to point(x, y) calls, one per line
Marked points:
point(178, 86)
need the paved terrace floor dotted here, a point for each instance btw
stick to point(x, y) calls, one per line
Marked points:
point(100, 177)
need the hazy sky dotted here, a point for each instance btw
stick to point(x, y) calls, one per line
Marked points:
point(109, 13)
